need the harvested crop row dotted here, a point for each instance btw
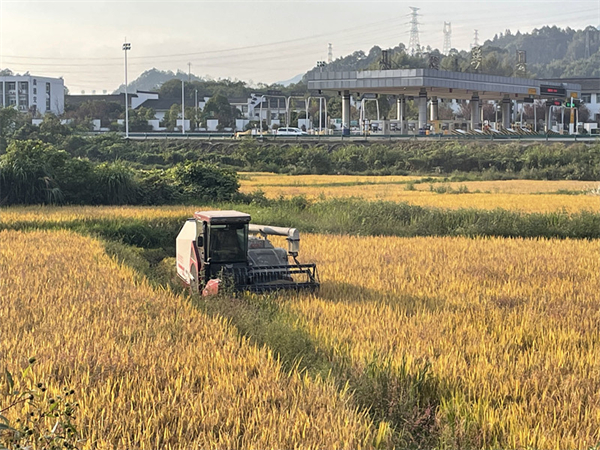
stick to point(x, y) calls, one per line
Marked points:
point(509, 326)
point(150, 371)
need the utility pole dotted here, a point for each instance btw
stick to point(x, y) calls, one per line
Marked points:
point(447, 38)
point(521, 68)
point(189, 72)
point(384, 62)
point(330, 54)
point(587, 44)
point(196, 97)
point(413, 43)
point(126, 46)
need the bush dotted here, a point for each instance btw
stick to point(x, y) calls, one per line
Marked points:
point(28, 173)
point(157, 187)
point(200, 181)
point(116, 184)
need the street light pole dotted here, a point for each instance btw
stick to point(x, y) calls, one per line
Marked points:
point(182, 108)
point(126, 46)
point(320, 115)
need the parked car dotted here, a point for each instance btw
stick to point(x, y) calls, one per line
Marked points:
point(290, 131)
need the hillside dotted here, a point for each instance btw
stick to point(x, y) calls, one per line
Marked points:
point(551, 52)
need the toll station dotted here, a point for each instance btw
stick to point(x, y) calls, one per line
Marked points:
point(428, 86)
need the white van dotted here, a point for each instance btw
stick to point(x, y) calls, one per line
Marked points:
point(290, 131)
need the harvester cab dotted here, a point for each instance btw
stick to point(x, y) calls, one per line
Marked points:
point(216, 248)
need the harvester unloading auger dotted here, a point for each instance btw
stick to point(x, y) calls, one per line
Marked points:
point(217, 248)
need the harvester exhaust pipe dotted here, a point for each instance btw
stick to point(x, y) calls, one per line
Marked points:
point(292, 236)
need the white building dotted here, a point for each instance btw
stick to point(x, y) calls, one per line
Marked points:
point(29, 93)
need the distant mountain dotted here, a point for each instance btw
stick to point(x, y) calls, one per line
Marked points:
point(293, 80)
point(153, 79)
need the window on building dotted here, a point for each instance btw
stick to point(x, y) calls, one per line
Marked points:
point(34, 99)
point(34, 82)
point(48, 88)
point(11, 86)
point(597, 97)
point(586, 98)
point(34, 91)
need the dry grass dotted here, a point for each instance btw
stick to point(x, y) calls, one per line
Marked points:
point(509, 326)
point(150, 371)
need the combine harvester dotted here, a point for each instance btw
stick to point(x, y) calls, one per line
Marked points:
point(222, 248)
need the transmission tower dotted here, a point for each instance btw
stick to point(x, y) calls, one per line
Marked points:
point(413, 42)
point(475, 39)
point(447, 38)
point(330, 54)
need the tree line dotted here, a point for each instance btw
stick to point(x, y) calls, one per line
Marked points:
point(53, 164)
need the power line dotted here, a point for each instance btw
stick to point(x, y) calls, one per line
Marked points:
point(253, 56)
point(280, 43)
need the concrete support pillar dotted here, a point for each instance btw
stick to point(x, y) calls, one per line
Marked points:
point(474, 103)
point(506, 112)
point(433, 114)
point(547, 117)
point(422, 109)
point(346, 112)
point(401, 112)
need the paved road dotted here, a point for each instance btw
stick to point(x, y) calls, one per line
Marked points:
point(311, 139)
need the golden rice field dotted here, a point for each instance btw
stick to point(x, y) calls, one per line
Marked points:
point(51, 214)
point(260, 179)
point(510, 327)
point(149, 370)
point(515, 195)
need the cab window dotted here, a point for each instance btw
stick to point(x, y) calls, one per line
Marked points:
point(228, 243)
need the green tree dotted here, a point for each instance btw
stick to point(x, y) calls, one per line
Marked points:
point(138, 119)
point(106, 112)
point(218, 107)
point(170, 119)
point(8, 124)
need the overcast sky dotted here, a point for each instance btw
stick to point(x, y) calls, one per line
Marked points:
point(258, 41)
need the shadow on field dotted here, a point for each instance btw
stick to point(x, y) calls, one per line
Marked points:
point(409, 305)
